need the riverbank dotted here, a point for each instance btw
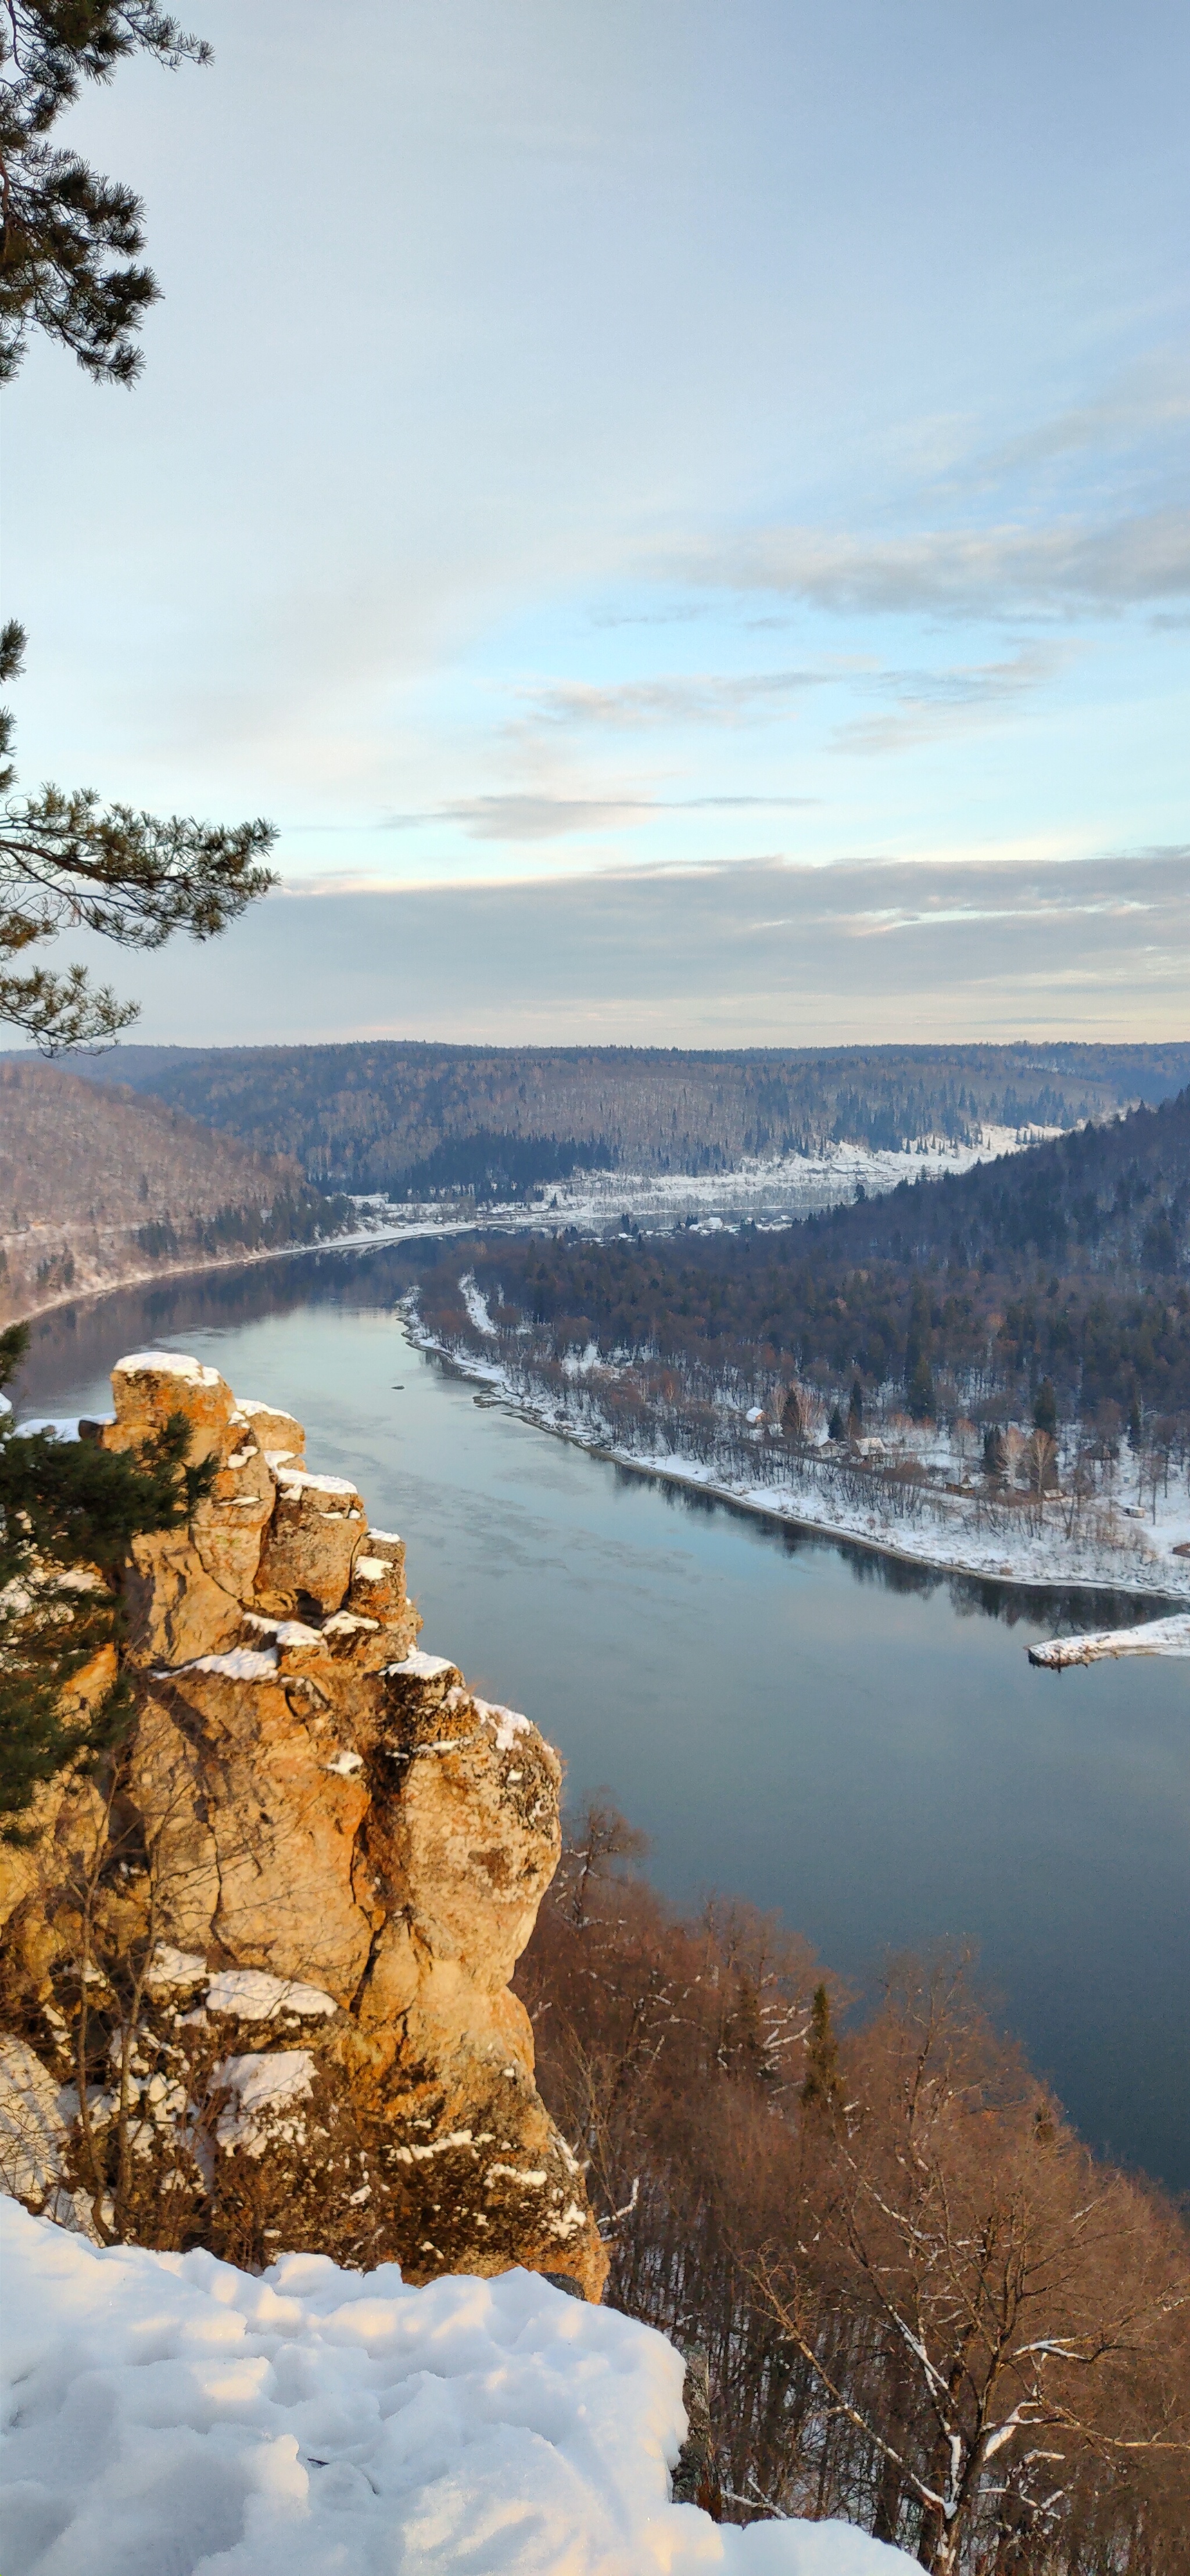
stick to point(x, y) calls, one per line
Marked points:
point(1152, 1637)
point(949, 1534)
point(369, 1236)
point(969, 1535)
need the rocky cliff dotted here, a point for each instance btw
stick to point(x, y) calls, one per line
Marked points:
point(257, 1967)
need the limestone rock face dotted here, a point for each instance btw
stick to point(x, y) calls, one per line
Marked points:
point(151, 1385)
point(309, 1807)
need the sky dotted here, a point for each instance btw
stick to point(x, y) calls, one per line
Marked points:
point(679, 512)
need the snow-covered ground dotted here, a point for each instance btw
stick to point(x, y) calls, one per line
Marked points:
point(767, 1192)
point(962, 1533)
point(166, 2415)
point(777, 1191)
point(1152, 1637)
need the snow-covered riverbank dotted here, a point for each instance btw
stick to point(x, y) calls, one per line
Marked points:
point(961, 1533)
point(1152, 1637)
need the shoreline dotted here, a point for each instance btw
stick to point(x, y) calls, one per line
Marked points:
point(1106, 1645)
point(926, 1560)
point(777, 1192)
point(367, 1239)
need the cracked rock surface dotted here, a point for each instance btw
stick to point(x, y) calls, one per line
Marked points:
point(310, 1883)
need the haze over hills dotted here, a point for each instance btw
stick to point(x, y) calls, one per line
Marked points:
point(413, 1119)
point(99, 1186)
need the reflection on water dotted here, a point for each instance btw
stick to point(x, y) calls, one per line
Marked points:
point(855, 1740)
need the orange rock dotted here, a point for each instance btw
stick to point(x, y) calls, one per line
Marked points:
point(321, 1807)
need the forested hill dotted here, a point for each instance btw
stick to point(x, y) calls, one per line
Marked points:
point(418, 1118)
point(1071, 1261)
point(1106, 1198)
point(97, 1187)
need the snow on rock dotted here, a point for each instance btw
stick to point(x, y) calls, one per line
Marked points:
point(1151, 1637)
point(303, 1481)
point(240, 1664)
point(61, 1426)
point(508, 1722)
point(166, 1364)
point(253, 1996)
point(264, 2092)
point(164, 2411)
point(422, 1668)
point(33, 2137)
point(170, 1967)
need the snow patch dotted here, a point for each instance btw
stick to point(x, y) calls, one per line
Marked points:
point(33, 2137)
point(167, 2411)
point(509, 1722)
point(170, 1967)
point(241, 1664)
point(1151, 1637)
point(167, 1364)
point(301, 1480)
point(264, 2092)
point(476, 1304)
point(254, 1996)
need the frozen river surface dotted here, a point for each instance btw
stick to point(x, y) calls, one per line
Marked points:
point(862, 1746)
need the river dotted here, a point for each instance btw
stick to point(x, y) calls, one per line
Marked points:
point(858, 1744)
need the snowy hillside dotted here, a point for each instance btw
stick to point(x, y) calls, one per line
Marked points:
point(165, 2415)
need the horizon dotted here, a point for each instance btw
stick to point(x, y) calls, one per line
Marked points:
point(692, 545)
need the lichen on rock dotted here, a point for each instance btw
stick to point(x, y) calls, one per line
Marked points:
point(317, 1845)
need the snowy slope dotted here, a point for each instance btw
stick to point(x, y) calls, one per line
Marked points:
point(165, 2415)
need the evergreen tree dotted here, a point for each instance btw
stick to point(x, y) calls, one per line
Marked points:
point(67, 1505)
point(68, 267)
point(820, 2086)
point(855, 1411)
point(836, 1429)
point(1045, 1410)
point(921, 1392)
point(792, 1418)
point(65, 860)
point(70, 240)
point(917, 1337)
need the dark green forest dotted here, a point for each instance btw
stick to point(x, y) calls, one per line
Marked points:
point(419, 1118)
point(1070, 1262)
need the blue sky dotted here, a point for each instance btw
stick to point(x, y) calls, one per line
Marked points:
point(657, 452)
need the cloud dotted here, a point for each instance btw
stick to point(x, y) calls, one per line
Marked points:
point(696, 698)
point(1141, 409)
point(530, 817)
point(999, 571)
point(755, 953)
point(928, 705)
